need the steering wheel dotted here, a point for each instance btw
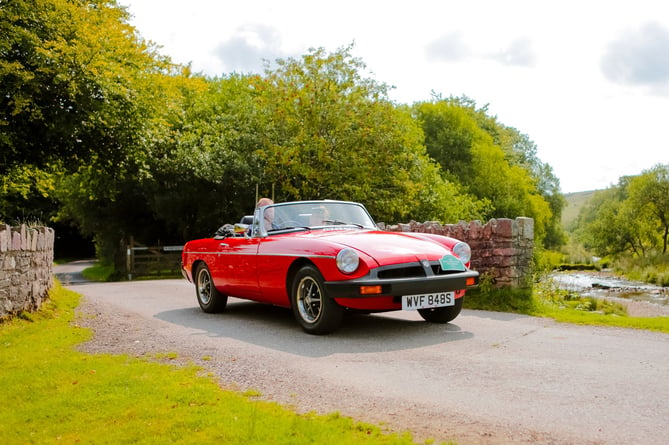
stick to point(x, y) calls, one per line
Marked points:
point(288, 224)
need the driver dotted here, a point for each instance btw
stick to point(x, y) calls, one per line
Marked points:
point(268, 213)
point(318, 216)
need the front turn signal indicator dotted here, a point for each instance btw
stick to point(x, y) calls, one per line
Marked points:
point(370, 290)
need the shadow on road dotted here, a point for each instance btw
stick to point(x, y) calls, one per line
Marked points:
point(275, 328)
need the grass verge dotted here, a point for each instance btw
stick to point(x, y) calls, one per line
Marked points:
point(54, 394)
point(98, 273)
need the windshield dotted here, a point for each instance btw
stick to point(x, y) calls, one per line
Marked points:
point(314, 214)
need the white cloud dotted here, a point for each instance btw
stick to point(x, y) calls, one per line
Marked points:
point(639, 57)
point(450, 47)
point(248, 47)
point(518, 53)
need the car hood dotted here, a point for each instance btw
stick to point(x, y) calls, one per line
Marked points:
point(387, 247)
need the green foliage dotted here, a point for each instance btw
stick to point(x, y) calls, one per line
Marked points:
point(547, 260)
point(500, 299)
point(650, 269)
point(83, 92)
point(98, 273)
point(203, 167)
point(27, 193)
point(68, 72)
point(650, 194)
point(336, 135)
point(629, 218)
point(54, 394)
point(493, 162)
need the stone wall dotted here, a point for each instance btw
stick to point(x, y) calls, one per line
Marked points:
point(501, 248)
point(26, 268)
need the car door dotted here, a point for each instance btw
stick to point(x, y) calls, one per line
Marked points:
point(235, 267)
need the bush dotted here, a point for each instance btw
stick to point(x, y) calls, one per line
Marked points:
point(652, 269)
point(547, 260)
point(499, 299)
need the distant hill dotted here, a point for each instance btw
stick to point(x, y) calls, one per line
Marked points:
point(575, 201)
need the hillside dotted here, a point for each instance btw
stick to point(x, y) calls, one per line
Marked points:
point(575, 201)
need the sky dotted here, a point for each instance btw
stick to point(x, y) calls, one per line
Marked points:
point(587, 81)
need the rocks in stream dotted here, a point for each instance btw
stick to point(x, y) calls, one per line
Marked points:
point(629, 289)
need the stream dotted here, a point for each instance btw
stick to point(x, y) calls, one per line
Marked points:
point(607, 285)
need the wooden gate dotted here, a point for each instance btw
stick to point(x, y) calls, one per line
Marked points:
point(153, 262)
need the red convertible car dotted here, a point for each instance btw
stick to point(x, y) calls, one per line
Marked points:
point(322, 258)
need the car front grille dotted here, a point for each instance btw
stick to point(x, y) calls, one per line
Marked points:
point(402, 272)
point(412, 270)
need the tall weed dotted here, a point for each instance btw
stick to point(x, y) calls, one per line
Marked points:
point(652, 269)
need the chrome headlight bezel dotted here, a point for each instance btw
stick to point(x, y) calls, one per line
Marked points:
point(347, 260)
point(463, 251)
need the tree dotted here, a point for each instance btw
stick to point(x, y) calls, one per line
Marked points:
point(68, 72)
point(336, 135)
point(611, 223)
point(26, 194)
point(204, 166)
point(522, 151)
point(450, 133)
point(466, 143)
point(650, 194)
point(80, 91)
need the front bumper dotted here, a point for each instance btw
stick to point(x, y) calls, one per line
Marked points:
point(402, 286)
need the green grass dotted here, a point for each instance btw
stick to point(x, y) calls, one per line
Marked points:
point(53, 394)
point(544, 299)
point(98, 272)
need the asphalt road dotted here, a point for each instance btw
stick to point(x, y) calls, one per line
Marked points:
point(485, 378)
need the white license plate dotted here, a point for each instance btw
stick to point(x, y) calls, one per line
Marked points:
point(426, 301)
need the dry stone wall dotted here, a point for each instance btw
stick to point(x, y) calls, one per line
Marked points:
point(501, 248)
point(26, 268)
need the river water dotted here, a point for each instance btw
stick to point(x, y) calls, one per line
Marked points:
point(607, 285)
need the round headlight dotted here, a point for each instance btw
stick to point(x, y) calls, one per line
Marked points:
point(463, 251)
point(347, 260)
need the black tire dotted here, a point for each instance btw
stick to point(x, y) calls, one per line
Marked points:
point(208, 297)
point(313, 309)
point(442, 314)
